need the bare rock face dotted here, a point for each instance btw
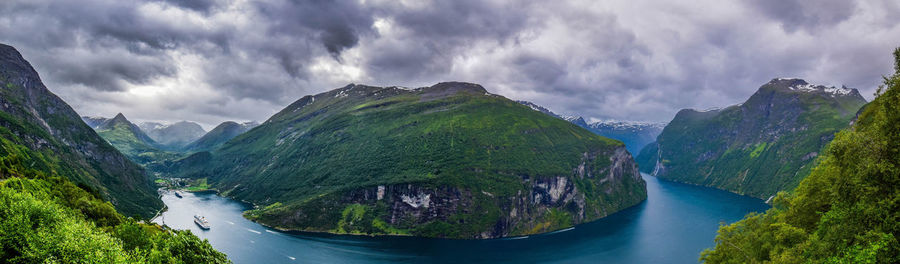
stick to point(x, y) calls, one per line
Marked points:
point(408, 206)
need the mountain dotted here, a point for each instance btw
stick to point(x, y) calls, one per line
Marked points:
point(219, 135)
point(450, 160)
point(635, 135)
point(764, 145)
point(61, 186)
point(41, 130)
point(148, 126)
point(845, 211)
point(94, 121)
point(129, 139)
point(174, 136)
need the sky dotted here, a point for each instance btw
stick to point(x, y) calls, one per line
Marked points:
point(210, 61)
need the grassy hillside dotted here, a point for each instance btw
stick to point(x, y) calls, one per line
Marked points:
point(846, 211)
point(448, 160)
point(45, 218)
point(762, 146)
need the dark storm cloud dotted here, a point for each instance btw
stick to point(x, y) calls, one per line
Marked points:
point(196, 5)
point(335, 24)
point(806, 15)
point(435, 32)
point(212, 60)
point(462, 20)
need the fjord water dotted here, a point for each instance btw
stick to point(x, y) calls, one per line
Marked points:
point(673, 225)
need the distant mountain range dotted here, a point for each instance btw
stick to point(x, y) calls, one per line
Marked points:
point(764, 145)
point(450, 160)
point(635, 135)
point(173, 136)
point(132, 141)
point(156, 142)
point(219, 135)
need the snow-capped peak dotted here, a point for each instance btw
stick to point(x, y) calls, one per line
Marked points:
point(796, 84)
point(619, 124)
point(821, 88)
point(570, 118)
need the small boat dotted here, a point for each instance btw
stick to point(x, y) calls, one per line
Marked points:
point(201, 221)
point(178, 194)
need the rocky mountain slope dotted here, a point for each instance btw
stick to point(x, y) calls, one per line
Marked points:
point(635, 135)
point(39, 129)
point(845, 211)
point(757, 148)
point(173, 136)
point(450, 160)
point(219, 135)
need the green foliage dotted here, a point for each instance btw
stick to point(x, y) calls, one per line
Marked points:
point(758, 149)
point(48, 219)
point(197, 185)
point(846, 211)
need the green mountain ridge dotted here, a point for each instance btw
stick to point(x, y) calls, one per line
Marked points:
point(450, 160)
point(219, 135)
point(764, 145)
point(56, 172)
point(38, 127)
point(134, 143)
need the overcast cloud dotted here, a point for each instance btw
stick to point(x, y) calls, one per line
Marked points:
point(216, 60)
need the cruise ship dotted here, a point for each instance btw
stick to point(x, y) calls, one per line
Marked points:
point(201, 221)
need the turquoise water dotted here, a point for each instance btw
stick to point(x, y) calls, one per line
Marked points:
point(675, 223)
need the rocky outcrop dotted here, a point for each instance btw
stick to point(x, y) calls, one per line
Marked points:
point(409, 207)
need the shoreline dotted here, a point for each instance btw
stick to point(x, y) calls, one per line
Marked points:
point(361, 235)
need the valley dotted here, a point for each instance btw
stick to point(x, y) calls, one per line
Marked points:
point(276, 131)
point(677, 221)
point(764, 145)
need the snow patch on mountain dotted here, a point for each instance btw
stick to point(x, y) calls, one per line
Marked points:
point(802, 86)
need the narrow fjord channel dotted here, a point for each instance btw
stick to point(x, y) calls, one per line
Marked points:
point(675, 223)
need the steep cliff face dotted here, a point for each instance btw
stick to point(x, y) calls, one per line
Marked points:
point(542, 204)
point(58, 140)
point(757, 148)
point(450, 160)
